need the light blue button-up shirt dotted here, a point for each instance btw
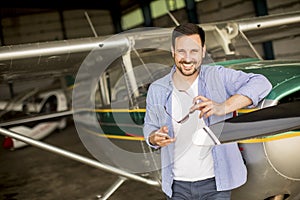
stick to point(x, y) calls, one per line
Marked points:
point(218, 84)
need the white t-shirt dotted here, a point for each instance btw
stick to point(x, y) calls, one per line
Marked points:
point(191, 162)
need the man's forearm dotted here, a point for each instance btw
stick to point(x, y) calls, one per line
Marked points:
point(236, 102)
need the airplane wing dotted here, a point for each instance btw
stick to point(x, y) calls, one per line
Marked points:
point(262, 30)
point(57, 58)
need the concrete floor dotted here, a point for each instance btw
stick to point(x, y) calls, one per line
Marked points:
point(30, 173)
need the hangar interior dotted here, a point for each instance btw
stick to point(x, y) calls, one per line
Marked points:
point(29, 21)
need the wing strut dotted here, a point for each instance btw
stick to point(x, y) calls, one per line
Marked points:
point(112, 188)
point(123, 175)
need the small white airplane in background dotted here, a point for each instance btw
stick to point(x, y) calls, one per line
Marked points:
point(109, 118)
point(31, 103)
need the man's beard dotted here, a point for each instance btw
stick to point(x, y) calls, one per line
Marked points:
point(185, 74)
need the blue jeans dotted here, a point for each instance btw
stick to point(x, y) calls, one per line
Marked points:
point(198, 190)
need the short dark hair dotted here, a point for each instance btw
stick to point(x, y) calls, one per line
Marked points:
point(188, 29)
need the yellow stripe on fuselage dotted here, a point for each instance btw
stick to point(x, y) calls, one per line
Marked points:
point(120, 137)
point(243, 111)
point(119, 110)
point(144, 110)
point(272, 138)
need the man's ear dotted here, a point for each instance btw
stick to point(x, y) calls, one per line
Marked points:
point(203, 51)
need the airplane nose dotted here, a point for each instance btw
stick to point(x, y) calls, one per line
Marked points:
point(8, 143)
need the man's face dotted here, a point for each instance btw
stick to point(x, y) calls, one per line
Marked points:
point(188, 53)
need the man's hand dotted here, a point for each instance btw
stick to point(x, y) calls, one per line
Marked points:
point(161, 137)
point(207, 107)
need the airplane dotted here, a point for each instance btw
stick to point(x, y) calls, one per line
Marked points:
point(27, 104)
point(110, 87)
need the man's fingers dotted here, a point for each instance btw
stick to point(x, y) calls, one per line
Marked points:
point(164, 129)
point(165, 142)
point(205, 106)
point(161, 138)
point(200, 106)
point(163, 135)
point(200, 98)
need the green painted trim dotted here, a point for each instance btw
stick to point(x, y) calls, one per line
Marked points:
point(237, 61)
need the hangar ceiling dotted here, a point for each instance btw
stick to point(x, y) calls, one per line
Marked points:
point(117, 8)
point(12, 8)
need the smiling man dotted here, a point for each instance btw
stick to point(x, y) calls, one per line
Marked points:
point(182, 104)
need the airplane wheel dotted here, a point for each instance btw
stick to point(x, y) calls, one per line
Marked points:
point(62, 124)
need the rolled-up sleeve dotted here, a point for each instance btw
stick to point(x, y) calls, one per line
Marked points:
point(254, 86)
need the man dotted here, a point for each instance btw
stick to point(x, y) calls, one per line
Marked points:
point(209, 94)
